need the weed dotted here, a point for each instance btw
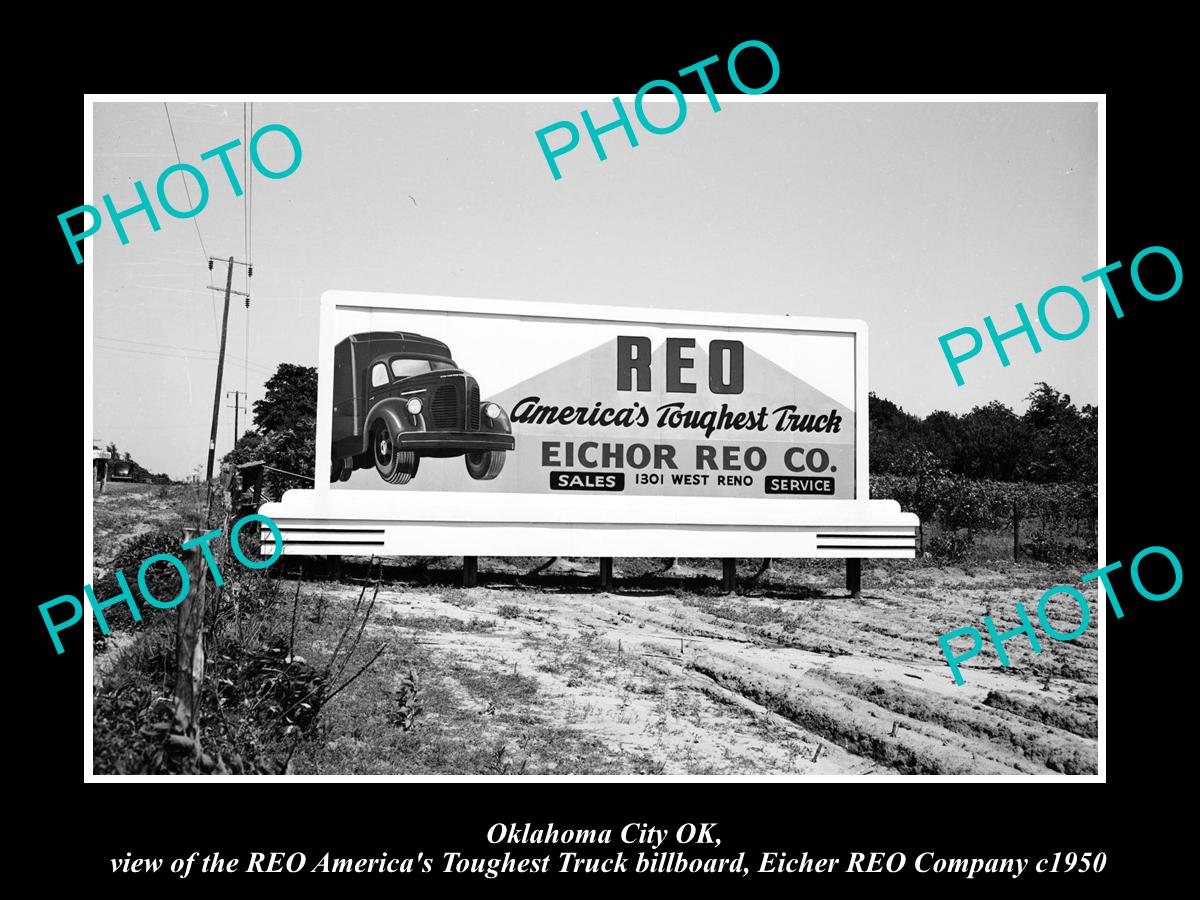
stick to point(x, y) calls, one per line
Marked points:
point(501, 766)
point(410, 703)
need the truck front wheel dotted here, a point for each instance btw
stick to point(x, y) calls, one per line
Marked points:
point(484, 465)
point(394, 466)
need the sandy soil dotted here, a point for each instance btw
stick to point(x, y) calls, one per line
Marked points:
point(667, 675)
point(787, 679)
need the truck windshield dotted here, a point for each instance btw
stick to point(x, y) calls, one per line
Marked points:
point(406, 368)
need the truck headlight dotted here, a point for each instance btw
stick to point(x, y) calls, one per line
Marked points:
point(414, 407)
point(492, 411)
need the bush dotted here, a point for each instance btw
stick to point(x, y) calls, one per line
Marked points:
point(162, 579)
point(949, 546)
point(954, 503)
point(1045, 548)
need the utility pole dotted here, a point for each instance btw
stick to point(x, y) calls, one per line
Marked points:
point(212, 438)
point(237, 405)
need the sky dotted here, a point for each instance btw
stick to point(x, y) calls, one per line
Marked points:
point(919, 218)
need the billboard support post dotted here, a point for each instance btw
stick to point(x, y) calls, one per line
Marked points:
point(606, 573)
point(854, 577)
point(728, 575)
point(470, 571)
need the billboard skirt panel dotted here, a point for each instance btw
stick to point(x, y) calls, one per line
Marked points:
point(337, 524)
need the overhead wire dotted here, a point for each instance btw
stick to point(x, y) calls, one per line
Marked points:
point(173, 355)
point(245, 248)
point(245, 194)
point(211, 359)
point(154, 344)
point(247, 212)
point(250, 198)
point(247, 225)
point(195, 224)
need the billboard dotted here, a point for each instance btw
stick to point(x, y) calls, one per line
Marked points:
point(498, 415)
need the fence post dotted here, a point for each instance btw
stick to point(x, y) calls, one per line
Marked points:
point(189, 646)
point(189, 628)
point(1016, 520)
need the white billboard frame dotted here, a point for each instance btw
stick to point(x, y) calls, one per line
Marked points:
point(323, 521)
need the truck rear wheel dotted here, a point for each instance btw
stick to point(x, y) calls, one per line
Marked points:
point(394, 466)
point(341, 469)
point(484, 465)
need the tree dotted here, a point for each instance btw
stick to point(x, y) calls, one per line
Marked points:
point(290, 401)
point(991, 443)
point(1047, 407)
point(1085, 445)
point(894, 433)
point(1063, 439)
point(920, 492)
point(285, 432)
point(939, 435)
point(247, 448)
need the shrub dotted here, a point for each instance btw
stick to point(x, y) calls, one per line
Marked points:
point(954, 503)
point(1047, 549)
point(949, 546)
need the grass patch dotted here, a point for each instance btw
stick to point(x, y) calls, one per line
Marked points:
point(442, 623)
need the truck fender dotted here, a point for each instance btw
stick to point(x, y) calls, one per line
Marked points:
point(499, 425)
point(392, 411)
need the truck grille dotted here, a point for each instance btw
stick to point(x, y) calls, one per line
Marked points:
point(472, 405)
point(444, 406)
point(447, 407)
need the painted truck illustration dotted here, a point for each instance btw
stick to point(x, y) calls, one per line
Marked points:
point(399, 397)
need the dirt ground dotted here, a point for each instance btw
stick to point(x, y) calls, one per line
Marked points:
point(544, 673)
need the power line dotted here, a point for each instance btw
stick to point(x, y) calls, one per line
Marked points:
point(177, 355)
point(208, 359)
point(250, 199)
point(171, 347)
point(188, 194)
point(246, 359)
point(153, 353)
point(157, 344)
point(248, 212)
point(153, 344)
point(140, 426)
point(245, 202)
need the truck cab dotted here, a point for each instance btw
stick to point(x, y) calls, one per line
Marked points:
point(400, 397)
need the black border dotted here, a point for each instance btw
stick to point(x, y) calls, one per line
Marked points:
point(1147, 418)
